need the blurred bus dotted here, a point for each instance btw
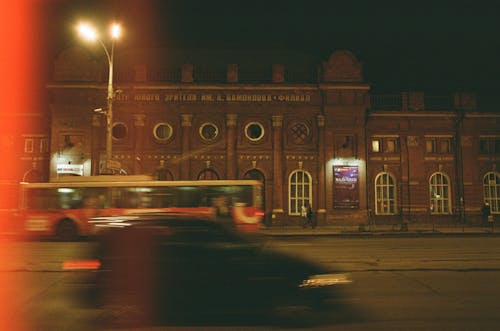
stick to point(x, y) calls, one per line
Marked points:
point(64, 208)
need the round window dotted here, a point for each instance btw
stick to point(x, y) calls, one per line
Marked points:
point(254, 131)
point(163, 131)
point(209, 131)
point(119, 131)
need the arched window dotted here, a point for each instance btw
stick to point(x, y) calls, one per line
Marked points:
point(491, 188)
point(385, 194)
point(439, 189)
point(299, 191)
point(208, 174)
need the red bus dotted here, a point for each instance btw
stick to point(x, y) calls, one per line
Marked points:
point(65, 208)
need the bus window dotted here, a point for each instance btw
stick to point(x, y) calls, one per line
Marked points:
point(188, 196)
point(41, 199)
point(94, 197)
point(162, 197)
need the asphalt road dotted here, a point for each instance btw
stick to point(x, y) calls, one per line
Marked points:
point(423, 283)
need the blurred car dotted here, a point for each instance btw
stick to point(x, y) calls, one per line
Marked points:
point(171, 270)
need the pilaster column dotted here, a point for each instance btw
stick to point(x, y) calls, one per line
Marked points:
point(321, 206)
point(138, 143)
point(185, 164)
point(277, 164)
point(231, 171)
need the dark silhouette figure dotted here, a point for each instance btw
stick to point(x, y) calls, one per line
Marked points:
point(307, 213)
point(485, 213)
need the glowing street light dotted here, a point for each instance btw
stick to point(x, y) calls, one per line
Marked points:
point(90, 33)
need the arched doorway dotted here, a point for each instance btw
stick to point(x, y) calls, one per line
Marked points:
point(258, 175)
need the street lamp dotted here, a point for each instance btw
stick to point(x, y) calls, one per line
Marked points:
point(89, 33)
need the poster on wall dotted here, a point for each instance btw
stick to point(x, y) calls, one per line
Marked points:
point(346, 188)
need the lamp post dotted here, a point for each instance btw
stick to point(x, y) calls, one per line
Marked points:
point(88, 32)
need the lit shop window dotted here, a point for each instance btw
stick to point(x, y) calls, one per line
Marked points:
point(439, 188)
point(163, 131)
point(299, 191)
point(491, 189)
point(120, 131)
point(385, 194)
point(254, 131)
point(209, 132)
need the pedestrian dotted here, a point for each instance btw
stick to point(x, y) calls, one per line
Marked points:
point(307, 214)
point(486, 214)
point(303, 214)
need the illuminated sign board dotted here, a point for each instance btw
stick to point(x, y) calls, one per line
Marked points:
point(346, 186)
point(71, 169)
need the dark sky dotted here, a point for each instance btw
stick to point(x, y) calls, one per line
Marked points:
point(403, 45)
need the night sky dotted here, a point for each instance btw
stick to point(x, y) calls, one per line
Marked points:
point(404, 45)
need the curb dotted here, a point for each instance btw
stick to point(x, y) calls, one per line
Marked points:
point(343, 233)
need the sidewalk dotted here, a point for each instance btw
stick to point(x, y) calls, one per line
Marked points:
point(377, 230)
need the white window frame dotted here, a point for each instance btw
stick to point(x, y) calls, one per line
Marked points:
point(299, 191)
point(385, 194)
point(491, 191)
point(439, 194)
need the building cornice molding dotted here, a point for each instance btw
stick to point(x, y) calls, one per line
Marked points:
point(190, 87)
point(235, 87)
point(450, 114)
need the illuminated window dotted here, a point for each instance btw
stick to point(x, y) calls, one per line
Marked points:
point(375, 145)
point(209, 132)
point(299, 191)
point(119, 131)
point(491, 189)
point(163, 131)
point(385, 194)
point(439, 188)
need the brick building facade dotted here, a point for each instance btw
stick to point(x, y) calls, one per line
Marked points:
point(309, 130)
